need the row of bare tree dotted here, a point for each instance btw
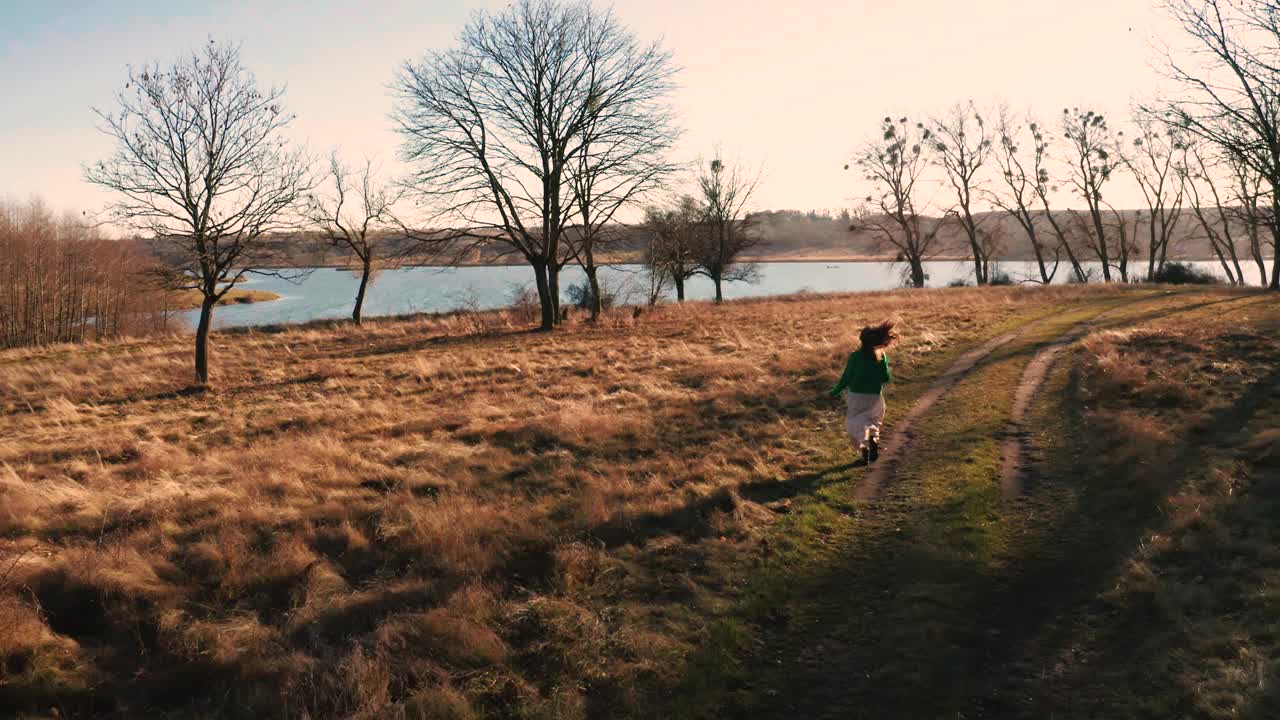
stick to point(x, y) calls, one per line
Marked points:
point(545, 120)
point(1209, 157)
point(1192, 189)
point(532, 133)
point(62, 282)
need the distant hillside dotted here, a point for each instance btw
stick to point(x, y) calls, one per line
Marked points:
point(792, 235)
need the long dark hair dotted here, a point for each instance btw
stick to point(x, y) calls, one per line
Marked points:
point(876, 337)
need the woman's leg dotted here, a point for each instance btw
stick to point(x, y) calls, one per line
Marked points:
point(858, 419)
point(875, 417)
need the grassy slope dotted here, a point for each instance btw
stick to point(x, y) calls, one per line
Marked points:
point(1169, 458)
point(647, 519)
point(373, 521)
point(943, 599)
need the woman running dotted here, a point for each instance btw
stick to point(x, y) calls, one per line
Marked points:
point(864, 374)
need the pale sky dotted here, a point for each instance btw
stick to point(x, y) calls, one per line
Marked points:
point(791, 86)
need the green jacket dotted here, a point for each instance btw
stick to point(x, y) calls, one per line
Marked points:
point(862, 375)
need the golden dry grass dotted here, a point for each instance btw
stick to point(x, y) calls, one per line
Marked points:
point(405, 520)
point(1177, 468)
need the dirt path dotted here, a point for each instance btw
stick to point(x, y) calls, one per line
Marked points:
point(1013, 475)
point(897, 443)
point(923, 602)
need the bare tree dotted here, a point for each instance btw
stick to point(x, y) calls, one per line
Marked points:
point(1250, 206)
point(894, 164)
point(61, 281)
point(1018, 196)
point(202, 163)
point(355, 215)
point(673, 236)
point(1044, 187)
point(1214, 220)
point(962, 144)
point(1091, 143)
point(725, 192)
point(657, 275)
point(1126, 236)
point(623, 158)
point(494, 125)
point(1231, 92)
point(1152, 158)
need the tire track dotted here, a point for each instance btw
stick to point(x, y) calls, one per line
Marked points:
point(891, 452)
point(1017, 443)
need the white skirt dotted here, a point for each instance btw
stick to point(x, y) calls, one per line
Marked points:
point(865, 414)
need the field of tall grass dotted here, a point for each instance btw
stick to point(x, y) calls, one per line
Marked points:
point(432, 517)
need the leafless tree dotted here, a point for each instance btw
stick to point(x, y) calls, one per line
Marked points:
point(202, 163)
point(725, 190)
point(1090, 146)
point(1152, 157)
point(1125, 246)
point(962, 144)
point(1250, 206)
point(894, 164)
point(623, 158)
point(1230, 81)
point(494, 125)
point(673, 233)
point(1214, 219)
point(1044, 187)
point(354, 211)
point(61, 281)
point(1018, 196)
point(657, 275)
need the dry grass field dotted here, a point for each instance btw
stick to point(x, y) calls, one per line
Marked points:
point(413, 519)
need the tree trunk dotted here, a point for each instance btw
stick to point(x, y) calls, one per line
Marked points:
point(917, 273)
point(364, 285)
point(553, 291)
point(1275, 237)
point(202, 341)
point(1235, 261)
point(1039, 251)
point(1076, 268)
point(1221, 260)
point(594, 283)
point(1103, 255)
point(1256, 251)
point(679, 281)
point(979, 266)
point(544, 297)
point(719, 295)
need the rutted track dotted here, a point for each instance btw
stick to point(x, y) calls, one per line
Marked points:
point(1016, 446)
point(892, 452)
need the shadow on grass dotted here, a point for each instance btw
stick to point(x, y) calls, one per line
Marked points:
point(896, 628)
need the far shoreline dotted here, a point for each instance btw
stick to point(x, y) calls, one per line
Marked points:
point(842, 259)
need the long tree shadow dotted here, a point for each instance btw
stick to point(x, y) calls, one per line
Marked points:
point(914, 630)
point(1049, 586)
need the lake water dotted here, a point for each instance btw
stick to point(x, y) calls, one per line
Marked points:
point(328, 293)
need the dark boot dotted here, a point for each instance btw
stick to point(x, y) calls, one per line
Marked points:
point(873, 450)
point(866, 456)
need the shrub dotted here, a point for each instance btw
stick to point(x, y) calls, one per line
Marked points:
point(580, 295)
point(1000, 277)
point(524, 303)
point(1176, 273)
